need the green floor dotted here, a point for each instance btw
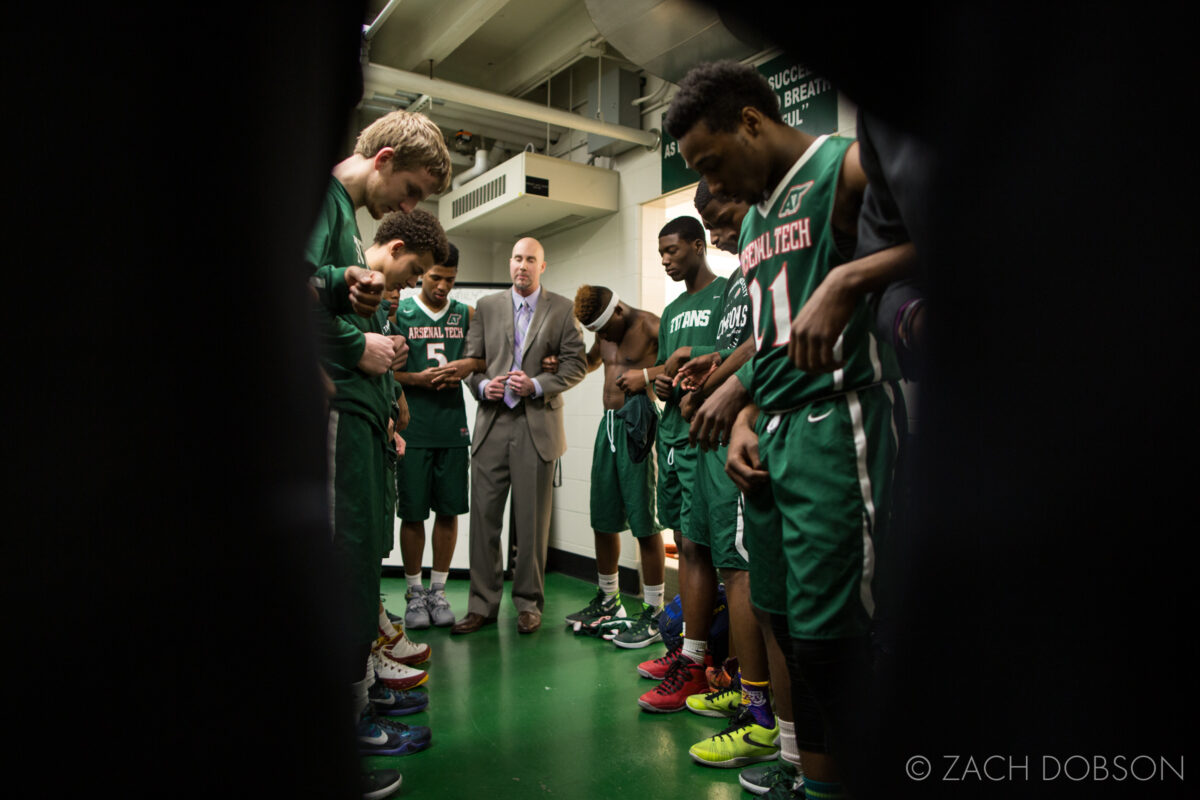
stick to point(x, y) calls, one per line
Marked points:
point(549, 714)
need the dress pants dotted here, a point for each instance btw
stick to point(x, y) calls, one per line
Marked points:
point(508, 459)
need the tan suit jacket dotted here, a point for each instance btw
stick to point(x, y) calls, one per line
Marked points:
point(552, 331)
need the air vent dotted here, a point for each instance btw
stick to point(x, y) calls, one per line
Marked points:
point(477, 197)
point(529, 194)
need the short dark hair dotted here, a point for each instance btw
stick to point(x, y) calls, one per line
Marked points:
point(703, 196)
point(419, 230)
point(688, 228)
point(590, 301)
point(715, 93)
point(452, 258)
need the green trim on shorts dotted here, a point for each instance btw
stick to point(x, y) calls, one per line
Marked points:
point(622, 494)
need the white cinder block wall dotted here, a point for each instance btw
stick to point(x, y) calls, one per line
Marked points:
point(606, 252)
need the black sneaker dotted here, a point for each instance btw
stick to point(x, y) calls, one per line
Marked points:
point(379, 783)
point(599, 607)
point(643, 632)
point(762, 779)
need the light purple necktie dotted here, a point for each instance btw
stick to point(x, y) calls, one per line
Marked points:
point(521, 327)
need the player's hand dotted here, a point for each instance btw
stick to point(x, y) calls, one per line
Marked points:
point(520, 383)
point(550, 364)
point(690, 404)
point(401, 445)
point(426, 378)
point(676, 359)
point(405, 416)
point(632, 381)
point(438, 378)
point(819, 325)
point(399, 353)
point(711, 424)
point(366, 290)
point(693, 373)
point(463, 367)
point(662, 386)
point(742, 464)
point(377, 355)
point(494, 389)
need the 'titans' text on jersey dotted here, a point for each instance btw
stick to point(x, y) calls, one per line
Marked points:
point(691, 319)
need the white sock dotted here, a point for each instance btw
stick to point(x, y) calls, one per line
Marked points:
point(385, 624)
point(694, 649)
point(359, 691)
point(654, 595)
point(412, 580)
point(788, 750)
point(608, 584)
point(438, 578)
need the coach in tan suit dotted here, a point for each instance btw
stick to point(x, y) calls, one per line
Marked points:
point(518, 433)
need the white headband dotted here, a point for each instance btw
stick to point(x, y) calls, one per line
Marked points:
point(602, 320)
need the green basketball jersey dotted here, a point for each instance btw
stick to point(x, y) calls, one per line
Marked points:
point(787, 248)
point(439, 417)
point(733, 326)
point(690, 319)
point(334, 245)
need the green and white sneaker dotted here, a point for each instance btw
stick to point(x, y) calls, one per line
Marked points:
point(721, 703)
point(599, 607)
point(641, 632)
point(743, 742)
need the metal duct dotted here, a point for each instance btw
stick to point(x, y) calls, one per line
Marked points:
point(668, 37)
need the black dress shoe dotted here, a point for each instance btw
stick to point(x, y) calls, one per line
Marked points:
point(528, 622)
point(471, 623)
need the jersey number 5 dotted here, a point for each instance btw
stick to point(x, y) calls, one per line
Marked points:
point(433, 352)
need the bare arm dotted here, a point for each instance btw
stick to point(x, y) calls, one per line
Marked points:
point(593, 358)
point(816, 328)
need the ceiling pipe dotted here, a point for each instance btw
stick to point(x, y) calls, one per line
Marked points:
point(377, 75)
point(369, 31)
point(481, 166)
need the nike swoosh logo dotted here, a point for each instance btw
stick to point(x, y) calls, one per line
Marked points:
point(748, 739)
point(811, 418)
point(380, 739)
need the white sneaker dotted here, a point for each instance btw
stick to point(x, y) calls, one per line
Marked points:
point(397, 676)
point(403, 650)
point(438, 606)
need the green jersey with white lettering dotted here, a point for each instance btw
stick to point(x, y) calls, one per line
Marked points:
point(439, 416)
point(733, 328)
point(688, 320)
point(787, 248)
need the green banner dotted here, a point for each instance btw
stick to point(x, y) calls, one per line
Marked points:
point(806, 100)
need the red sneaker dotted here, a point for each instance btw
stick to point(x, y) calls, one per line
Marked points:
point(684, 677)
point(656, 669)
